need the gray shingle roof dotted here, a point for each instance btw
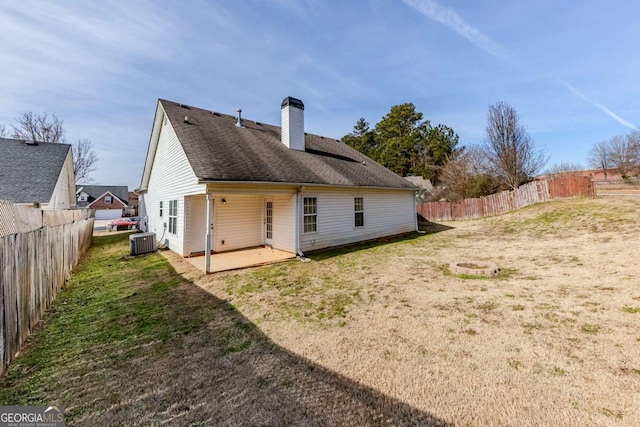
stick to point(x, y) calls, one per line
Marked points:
point(28, 173)
point(218, 150)
point(95, 191)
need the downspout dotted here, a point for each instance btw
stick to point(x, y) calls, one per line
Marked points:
point(297, 233)
point(415, 214)
point(207, 242)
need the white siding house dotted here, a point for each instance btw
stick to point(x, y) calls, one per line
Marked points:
point(214, 183)
point(384, 213)
point(172, 179)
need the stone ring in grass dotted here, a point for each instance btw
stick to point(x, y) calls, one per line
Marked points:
point(474, 268)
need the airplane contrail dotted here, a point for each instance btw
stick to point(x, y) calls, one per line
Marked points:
point(450, 18)
point(603, 108)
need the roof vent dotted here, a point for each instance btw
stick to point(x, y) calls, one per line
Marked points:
point(239, 122)
point(29, 142)
point(186, 119)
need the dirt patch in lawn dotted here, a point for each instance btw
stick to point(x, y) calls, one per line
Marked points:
point(552, 340)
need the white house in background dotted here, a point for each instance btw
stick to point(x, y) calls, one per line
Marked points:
point(215, 182)
point(37, 173)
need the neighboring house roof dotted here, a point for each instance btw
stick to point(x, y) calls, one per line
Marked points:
point(114, 201)
point(220, 151)
point(29, 172)
point(96, 191)
point(419, 181)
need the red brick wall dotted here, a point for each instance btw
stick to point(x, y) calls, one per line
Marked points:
point(598, 174)
point(100, 204)
point(133, 199)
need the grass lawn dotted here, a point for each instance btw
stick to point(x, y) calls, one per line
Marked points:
point(375, 334)
point(132, 342)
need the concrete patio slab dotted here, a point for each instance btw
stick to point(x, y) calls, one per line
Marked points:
point(241, 259)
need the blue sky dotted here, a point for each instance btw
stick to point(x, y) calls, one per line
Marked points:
point(570, 68)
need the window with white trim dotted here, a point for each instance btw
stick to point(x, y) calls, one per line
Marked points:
point(310, 214)
point(358, 211)
point(160, 209)
point(108, 200)
point(173, 216)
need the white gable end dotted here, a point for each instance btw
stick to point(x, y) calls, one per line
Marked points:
point(64, 196)
point(171, 178)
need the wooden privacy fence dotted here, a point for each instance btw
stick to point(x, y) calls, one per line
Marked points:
point(506, 201)
point(38, 250)
point(617, 187)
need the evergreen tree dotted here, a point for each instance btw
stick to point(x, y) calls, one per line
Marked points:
point(361, 138)
point(404, 142)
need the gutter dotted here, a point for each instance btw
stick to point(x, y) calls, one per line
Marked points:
point(302, 184)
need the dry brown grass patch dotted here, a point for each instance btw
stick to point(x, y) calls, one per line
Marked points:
point(489, 351)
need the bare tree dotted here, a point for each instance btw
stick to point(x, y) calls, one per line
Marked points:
point(634, 136)
point(564, 168)
point(623, 154)
point(509, 148)
point(467, 174)
point(3, 131)
point(599, 157)
point(84, 160)
point(634, 143)
point(39, 128)
point(49, 128)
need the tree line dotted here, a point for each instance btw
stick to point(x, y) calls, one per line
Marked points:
point(49, 128)
point(407, 144)
point(621, 152)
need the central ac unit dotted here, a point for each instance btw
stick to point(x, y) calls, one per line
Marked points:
point(142, 243)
